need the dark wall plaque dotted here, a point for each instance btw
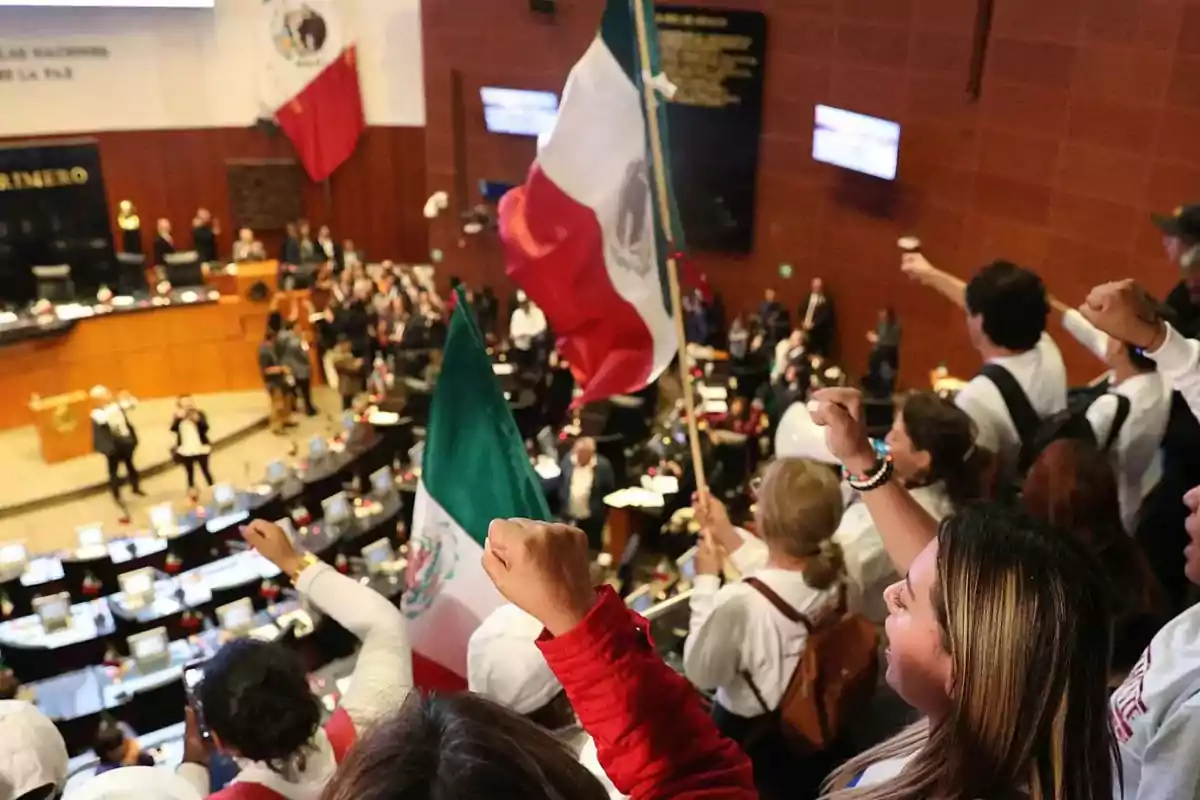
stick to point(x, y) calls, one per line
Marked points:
point(265, 193)
point(53, 210)
point(716, 59)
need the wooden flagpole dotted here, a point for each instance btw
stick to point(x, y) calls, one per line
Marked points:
point(666, 217)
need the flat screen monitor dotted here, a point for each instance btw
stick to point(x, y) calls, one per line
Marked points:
point(151, 649)
point(90, 536)
point(377, 554)
point(277, 472)
point(317, 447)
point(13, 557)
point(224, 495)
point(137, 586)
point(640, 600)
point(337, 509)
point(856, 142)
point(289, 528)
point(519, 112)
point(162, 517)
point(686, 564)
point(108, 3)
point(236, 617)
point(382, 481)
point(53, 610)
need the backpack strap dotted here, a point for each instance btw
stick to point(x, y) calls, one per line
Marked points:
point(791, 614)
point(780, 604)
point(1024, 417)
point(1123, 408)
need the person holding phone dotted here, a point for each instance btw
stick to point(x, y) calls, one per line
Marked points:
point(192, 447)
point(255, 696)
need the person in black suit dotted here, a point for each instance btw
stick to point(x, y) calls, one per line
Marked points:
point(587, 478)
point(327, 249)
point(205, 231)
point(289, 253)
point(816, 316)
point(773, 320)
point(164, 244)
point(114, 436)
point(192, 448)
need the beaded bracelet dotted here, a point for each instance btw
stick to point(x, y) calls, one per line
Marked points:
point(880, 474)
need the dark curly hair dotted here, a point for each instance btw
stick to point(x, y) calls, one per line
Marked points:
point(1012, 302)
point(461, 745)
point(257, 700)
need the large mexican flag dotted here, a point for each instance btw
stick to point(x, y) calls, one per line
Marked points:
point(475, 469)
point(584, 236)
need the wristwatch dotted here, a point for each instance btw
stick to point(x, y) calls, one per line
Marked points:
point(306, 561)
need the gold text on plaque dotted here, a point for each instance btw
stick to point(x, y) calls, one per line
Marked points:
point(63, 419)
point(42, 178)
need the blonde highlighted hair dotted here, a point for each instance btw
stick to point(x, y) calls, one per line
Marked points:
point(1025, 617)
point(799, 508)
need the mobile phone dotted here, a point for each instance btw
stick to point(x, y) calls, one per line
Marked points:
point(193, 676)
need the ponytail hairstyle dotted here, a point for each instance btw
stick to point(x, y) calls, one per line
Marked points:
point(799, 508)
point(947, 434)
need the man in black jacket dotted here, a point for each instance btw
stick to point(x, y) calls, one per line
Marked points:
point(587, 478)
point(114, 436)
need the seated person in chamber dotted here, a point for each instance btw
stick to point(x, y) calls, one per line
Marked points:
point(116, 747)
point(247, 248)
point(164, 243)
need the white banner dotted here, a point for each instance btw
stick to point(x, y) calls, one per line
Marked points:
point(80, 70)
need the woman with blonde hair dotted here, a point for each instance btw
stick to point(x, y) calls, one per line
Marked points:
point(740, 642)
point(999, 634)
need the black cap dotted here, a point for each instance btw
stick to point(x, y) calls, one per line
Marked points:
point(1183, 223)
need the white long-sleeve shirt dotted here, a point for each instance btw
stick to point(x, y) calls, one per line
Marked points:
point(380, 683)
point(1178, 360)
point(869, 570)
point(525, 325)
point(734, 628)
point(1041, 375)
point(1136, 458)
point(1156, 715)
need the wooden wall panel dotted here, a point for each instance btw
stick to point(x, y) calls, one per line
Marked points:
point(1087, 122)
point(375, 198)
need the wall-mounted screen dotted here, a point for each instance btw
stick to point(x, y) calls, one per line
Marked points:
point(520, 112)
point(857, 142)
point(109, 3)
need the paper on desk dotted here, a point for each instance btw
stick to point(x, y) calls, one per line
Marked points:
point(634, 497)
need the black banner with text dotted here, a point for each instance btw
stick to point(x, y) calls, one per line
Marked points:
point(53, 210)
point(716, 59)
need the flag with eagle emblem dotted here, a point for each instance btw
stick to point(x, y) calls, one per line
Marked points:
point(584, 236)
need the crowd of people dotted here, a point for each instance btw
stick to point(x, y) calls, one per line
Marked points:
point(1022, 551)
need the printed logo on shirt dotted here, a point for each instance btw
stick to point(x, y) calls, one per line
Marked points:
point(1127, 704)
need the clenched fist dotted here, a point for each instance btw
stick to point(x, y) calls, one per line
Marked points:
point(1124, 310)
point(542, 568)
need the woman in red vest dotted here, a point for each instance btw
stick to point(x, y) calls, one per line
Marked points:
point(256, 698)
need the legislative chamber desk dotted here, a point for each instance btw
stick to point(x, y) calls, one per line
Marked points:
point(209, 345)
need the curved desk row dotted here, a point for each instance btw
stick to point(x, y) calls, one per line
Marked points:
point(201, 535)
point(151, 351)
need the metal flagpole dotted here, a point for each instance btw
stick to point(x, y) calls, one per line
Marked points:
point(665, 215)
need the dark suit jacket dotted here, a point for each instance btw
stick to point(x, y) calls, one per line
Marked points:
point(821, 337)
point(604, 483)
point(104, 442)
point(201, 429)
point(162, 248)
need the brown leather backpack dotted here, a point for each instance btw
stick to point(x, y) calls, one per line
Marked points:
point(834, 679)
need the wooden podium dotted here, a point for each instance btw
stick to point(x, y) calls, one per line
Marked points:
point(64, 425)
